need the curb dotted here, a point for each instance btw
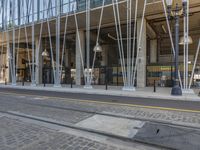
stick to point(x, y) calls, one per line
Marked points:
point(138, 94)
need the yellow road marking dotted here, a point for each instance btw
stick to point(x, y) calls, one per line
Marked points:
point(107, 103)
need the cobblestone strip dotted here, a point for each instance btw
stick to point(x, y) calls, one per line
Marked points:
point(17, 135)
point(46, 112)
point(182, 118)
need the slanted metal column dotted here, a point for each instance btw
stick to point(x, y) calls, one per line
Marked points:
point(38, 61)
point(57, 79)
point(38, 10)
point(13, 45)
point(128, 43)
point(88, 84)
point(9, 75)
point(27, 11)
point(5, 21)
point(2, 17)
point(33, 83)
point(19, 12)
point(187, 44)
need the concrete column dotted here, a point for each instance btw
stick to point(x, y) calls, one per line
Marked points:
point(141, 67)
point(39, 63)
point(104, 55)
point(66, 58)
point(80, 48)
point(8, 70)
point(153, 51)
point(67, 64)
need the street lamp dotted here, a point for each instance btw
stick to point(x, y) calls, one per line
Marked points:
point(169, 3)
point(185, 40)
point(97, 48)
point(44, 55)
point(176, 90)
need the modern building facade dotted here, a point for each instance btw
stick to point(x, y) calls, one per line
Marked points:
point(119, 42)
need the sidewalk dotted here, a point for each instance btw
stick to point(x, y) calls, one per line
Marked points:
point(147, 92)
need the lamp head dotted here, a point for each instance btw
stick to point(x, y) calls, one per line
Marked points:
point(45, 53)
point(185, 40)
point(98, 48)
point(9, 56)
point(169, 2)
point(184, 1)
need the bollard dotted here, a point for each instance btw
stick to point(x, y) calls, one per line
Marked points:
point(154, 86)
point(5, 81)
point(106, 78)
point(106, 83)
point(71, 83)
point(44, 84)
point(23, 82)
point(44, 79)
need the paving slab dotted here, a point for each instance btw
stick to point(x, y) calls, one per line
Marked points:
point(112, 125)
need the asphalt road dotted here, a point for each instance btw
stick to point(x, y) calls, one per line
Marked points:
point(143, 102)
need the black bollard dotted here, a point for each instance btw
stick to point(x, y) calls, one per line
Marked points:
point(5, 81)
point(23, 82)
point(106, 77)
point(71, 83)
point(44, 84)
point(44, 78)
point(154, 86)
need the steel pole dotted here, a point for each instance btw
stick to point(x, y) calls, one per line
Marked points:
point(57, 79)
point(88, 39)
point(13, 47)
point(33, 46)
point(88, 84)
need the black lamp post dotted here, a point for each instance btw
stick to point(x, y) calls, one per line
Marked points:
point(176, 90)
